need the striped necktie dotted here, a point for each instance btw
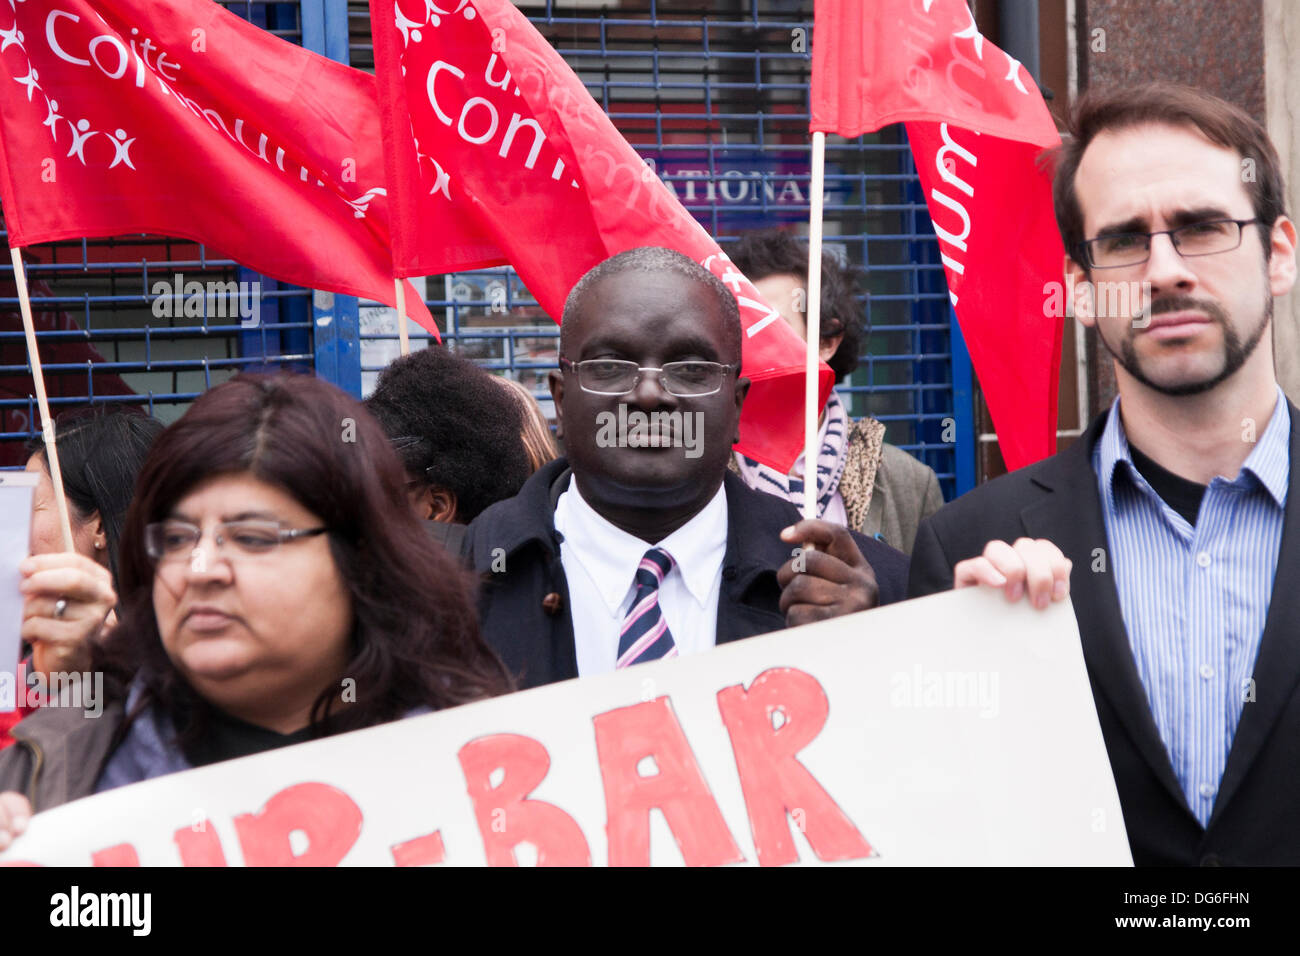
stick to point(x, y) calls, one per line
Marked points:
point(645, 635)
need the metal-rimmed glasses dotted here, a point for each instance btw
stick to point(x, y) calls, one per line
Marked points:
point(1205, 238)
point(168, 541)
point(688, 379)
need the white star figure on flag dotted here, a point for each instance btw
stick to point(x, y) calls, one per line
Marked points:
point(79, 142)
point(52, 118)
point(121, 149)
point(29, 81)
point(973, 34)
point(12, 37)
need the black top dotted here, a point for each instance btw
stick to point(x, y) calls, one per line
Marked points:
point(228, 737)
point(1174, 490)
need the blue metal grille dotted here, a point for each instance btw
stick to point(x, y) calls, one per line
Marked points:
point(718, 104)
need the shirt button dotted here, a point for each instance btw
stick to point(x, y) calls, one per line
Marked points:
point(1206, 790)
point(1203, 559)
point(1207, 671)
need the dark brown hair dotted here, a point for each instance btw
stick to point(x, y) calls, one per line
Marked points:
point(769, 252)
point(415, 638)
point(101, 450)
point(1174, 105)
point(538, 441)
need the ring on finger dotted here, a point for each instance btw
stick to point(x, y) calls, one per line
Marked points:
point(60, 607)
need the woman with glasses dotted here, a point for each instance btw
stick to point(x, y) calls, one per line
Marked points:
point(276, 587)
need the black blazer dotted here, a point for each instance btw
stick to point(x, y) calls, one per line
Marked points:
point(524, 604)
point(1256, 818)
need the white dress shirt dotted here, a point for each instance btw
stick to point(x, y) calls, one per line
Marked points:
point(600, 562)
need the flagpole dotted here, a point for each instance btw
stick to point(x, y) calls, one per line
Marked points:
point(814, 317)
point(47, 423)
point(402, 336)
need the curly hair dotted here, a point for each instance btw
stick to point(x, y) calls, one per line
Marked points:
point(770, 252)
point(453, 427)
point(415, 639)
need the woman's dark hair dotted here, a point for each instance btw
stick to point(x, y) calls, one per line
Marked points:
point(453, 427)
point(415, 638)
point(772, 252)
point(100, 454)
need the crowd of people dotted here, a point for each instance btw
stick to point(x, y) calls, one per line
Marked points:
point(285, 563)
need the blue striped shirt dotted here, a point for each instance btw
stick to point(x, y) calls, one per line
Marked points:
point(1195, 599)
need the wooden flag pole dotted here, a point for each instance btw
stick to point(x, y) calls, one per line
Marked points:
point(814, 317)
point(47, 423)
point(402, 336)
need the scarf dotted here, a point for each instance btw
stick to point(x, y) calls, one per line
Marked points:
point(830, 463)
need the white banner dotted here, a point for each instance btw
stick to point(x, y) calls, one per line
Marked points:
point(956, 729)
point(16, 491)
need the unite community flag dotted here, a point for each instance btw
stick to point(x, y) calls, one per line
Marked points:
point(497, 153)
point(977, 125)
point(181, 119)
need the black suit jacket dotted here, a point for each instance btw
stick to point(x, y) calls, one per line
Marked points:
point(524, 605)
point(1256, 818)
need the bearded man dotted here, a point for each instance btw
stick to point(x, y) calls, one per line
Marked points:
point(1180, 505)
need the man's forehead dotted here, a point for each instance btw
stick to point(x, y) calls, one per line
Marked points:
point(1152, 171)
point(645, 293)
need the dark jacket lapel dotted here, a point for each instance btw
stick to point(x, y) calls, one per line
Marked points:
point(526, 618)
point(1070, 516)
point(1277, 665)
point(749, 595)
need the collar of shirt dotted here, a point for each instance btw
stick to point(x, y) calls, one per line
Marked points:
point(610, 555)
point(1269, 461)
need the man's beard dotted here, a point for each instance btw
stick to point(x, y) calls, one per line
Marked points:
point(1235, 352)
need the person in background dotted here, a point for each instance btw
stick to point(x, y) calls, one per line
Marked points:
point(863, 483)
point(69, 596)
point(457, 431)
point(266, 568)
point(538, 441)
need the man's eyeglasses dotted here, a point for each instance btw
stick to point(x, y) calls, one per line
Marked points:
point(167, 541)
point(1134, 248)
point(691, 379)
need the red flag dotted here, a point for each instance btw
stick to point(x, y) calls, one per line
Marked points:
point(181, 119)
point(977, 124)
point(497, 153)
